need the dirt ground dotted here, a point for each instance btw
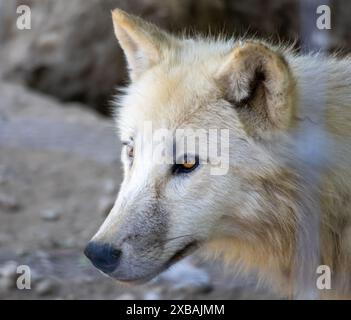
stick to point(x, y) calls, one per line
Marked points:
point(59, 175)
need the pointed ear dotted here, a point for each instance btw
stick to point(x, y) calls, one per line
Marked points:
point(259, 84)
point(143, 43)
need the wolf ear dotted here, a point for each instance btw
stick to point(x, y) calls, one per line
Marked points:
point(259, 84)
point(141, 42)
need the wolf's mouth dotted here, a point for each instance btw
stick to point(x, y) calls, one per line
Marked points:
point(182, 253)
point(179, 255)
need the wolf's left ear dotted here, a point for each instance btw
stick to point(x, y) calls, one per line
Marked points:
point(142, 42)
point(258, 82)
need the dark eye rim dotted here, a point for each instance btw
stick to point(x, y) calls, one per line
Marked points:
point(129, 146)
point(178, 168)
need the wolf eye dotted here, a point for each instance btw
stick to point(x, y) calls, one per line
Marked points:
point(130, 152)
point(185, 167)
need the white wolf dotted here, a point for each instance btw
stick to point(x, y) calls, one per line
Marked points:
point(284, 206)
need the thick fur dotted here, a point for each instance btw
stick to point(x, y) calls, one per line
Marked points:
point(284, 207)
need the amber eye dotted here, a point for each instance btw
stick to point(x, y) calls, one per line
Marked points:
point(186, 167)
point(189, 165)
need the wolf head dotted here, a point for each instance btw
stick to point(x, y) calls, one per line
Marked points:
point(165, 210)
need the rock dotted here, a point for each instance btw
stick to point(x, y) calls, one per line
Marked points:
point(37, 122)
point(5, 285)
point(85, 63)
point(4, 238)
point(73, 54)
point(66, 243)
point(185, 276)
point(20, 251)
point(44, 238)
point(51, 214)
point(46, 287)
point(153, 294)
point(126, 296)
point(9, 203)
point(9, 270)
point(8, 276)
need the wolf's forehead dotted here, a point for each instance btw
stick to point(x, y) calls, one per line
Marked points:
point(167, 99)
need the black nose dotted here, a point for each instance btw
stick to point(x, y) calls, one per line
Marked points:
point(103, 256)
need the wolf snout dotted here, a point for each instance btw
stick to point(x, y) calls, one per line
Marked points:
point(103, 256)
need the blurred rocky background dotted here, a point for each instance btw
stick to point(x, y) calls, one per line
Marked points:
point(71, 53)
point(59, 157)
